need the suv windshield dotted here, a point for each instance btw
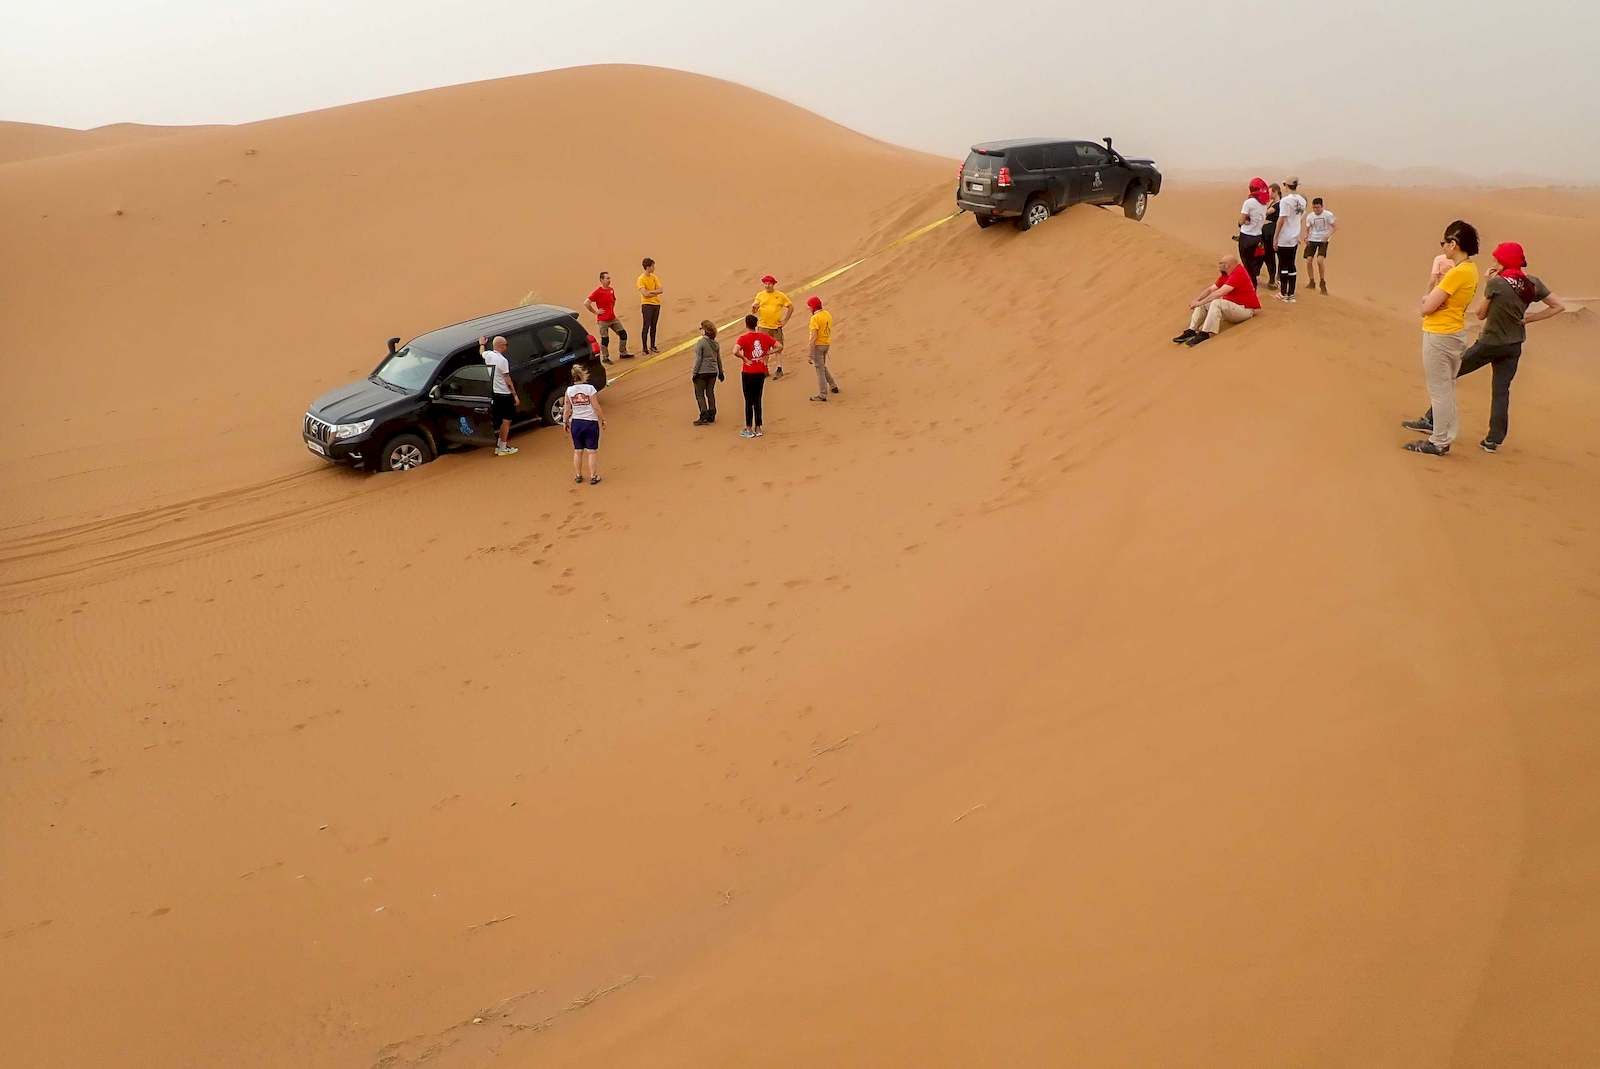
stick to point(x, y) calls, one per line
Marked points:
point(409, 369)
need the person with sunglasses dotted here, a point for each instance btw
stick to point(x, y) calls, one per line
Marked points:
point(1444, 338)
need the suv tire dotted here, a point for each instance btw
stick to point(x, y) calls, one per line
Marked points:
point(1035, 212)
point(403, 452)
point(554, 404)
point(1133, 205)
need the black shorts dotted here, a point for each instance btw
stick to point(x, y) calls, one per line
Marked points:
point(504, 407)
point(585, 434)
point(1316, 248)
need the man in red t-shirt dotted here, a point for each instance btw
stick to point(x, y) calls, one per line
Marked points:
point(603, 303)
point(1230, 299)
point(753, 347)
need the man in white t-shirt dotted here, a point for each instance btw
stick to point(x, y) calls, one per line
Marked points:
point(1320, 225)
point(1252, 218)
point(1291, 216)
point(503, 392)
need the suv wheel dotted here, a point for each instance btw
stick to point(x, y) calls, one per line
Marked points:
point(404, 452)
point(555, 404)
point(984, 221)
point(1134, 203)
point(1036, 212)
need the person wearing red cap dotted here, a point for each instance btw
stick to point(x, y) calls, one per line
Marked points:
point(1504, 311)
point(772, 308)
point(1252, 217)
point(821, 341)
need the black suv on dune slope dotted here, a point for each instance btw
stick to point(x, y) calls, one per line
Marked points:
point(433, 393)
point(1029, 181)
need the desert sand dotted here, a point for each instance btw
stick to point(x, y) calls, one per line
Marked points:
point(1053, 696)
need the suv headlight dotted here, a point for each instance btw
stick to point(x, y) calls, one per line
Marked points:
point(352, 430)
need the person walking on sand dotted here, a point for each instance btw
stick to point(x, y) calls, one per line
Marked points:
point(1291, 214)
point(821, 342)
point(583, 417)
point(1507, 296)
point(707, 372)
point(1252, 220)
point(503, 391)
point(753, 347)
point(1320, 225)
point(1444, 338)
point(650, 291)
point(603, 303)
point(773, 309)
point(1269, 233)
point(1230, 299)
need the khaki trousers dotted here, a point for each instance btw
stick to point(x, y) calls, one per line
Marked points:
point(1441, 362)
point(1209, 317)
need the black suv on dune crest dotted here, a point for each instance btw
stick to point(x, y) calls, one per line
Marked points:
point(433, 393)
point(1029, 181)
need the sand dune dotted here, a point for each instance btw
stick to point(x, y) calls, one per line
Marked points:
point(1051, 697)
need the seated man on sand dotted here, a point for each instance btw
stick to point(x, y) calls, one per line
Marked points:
point(1230, 299)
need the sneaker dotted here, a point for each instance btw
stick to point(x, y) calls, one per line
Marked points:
point(577, 478)
point(626, 356)
point(1185, 336)
point(1288, 300)
point(701, 422)
point(1488, 446)
point(595, 481)
point(1322, 288)
point(1423, 425)
point(747, 433)
point(833, 389)
point(778, 374)
point(817, 397)
point(1199, 336)
point(505, 450)
point(1423, 445)
point(605, 358)
point(757, 434)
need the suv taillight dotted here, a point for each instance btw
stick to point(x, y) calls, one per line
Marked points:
point(594, 346)
point(1004, 181)
point(961, 171)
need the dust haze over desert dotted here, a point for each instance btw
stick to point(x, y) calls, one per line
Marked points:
point(1052, 695)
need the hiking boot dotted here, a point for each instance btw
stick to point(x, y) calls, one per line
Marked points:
point(1423, 445)
point(1423, 425)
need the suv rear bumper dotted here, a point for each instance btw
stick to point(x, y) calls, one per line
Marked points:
point(989, 208)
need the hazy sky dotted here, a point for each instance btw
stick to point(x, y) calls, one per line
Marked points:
point(1483, 86)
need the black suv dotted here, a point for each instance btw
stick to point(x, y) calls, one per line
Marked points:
point(434, 393)
point(1029, 181)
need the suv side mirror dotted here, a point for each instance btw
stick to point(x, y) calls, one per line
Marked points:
point(433, 393)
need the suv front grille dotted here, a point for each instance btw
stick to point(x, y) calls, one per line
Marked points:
point(317, 429)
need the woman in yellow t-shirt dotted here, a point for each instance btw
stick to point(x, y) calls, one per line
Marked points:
point(649, 285)
point(1444, 338)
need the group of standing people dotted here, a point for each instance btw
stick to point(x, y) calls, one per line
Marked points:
point(770, 312)
point(1452, 284)
point(1274, 222)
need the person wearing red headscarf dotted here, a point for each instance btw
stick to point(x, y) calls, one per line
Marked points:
point(1252, 217)
point(1504, 312)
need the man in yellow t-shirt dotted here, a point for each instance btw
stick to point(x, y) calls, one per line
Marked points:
point(1444, 338)
point(821, 341)
point(772, 309)
point(649, 285)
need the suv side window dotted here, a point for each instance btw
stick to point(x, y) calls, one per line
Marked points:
point(520, 348)
point(1028, 159)
point(1092, 155)
point(1060, 156)
point(469, 381)
point(552, 338)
